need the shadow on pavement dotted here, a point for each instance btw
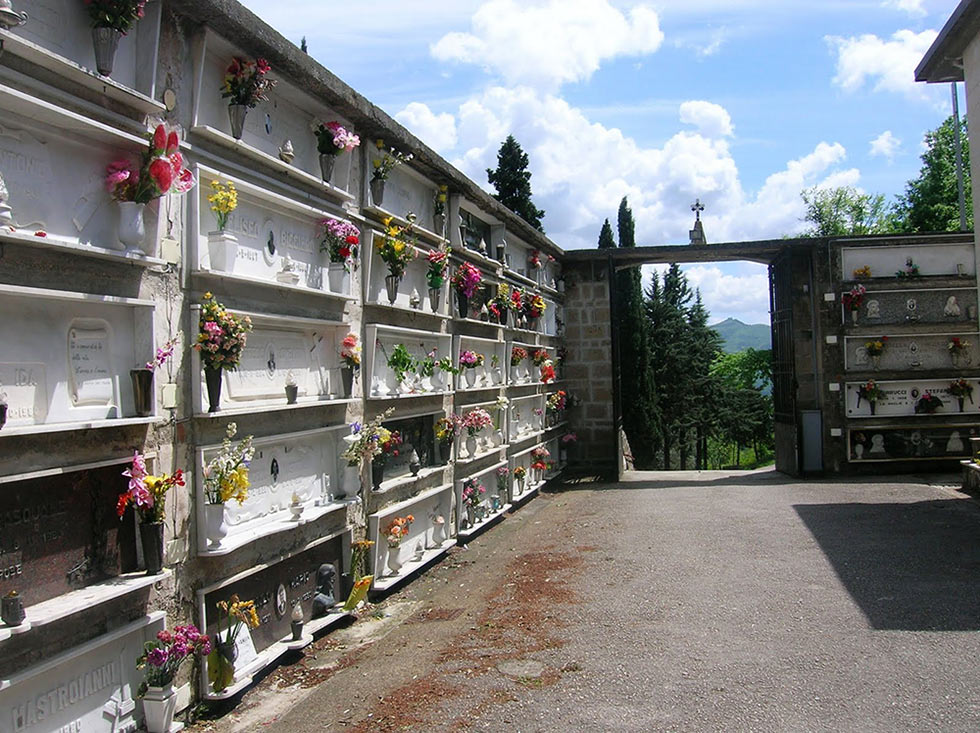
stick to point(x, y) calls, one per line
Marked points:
point(910, 567)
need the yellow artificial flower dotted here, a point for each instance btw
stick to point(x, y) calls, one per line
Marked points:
point(379, 144)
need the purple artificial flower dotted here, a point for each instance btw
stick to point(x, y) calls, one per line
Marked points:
point(157, 657)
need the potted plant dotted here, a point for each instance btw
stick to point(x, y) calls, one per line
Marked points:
point(439, 210)
point(928, 403)
point(852, 301)
point(234, 616)
point(221, 340)
point(245, 85)
point(396, 248)
point(332, 139)
point(225, 478)
point(961, 390)
point(161, 170)
point(473, 492)
point(111, 20)
point(958, 350)
point(474, 421)
point(468, 362)
point(446, 430)
point(435, 276)
point(383, 166)
point(396, 531)
point(874, 349)
point(222, 246)
point(148, 495)
point(870, 392)
point(502, 475)
point(350, 354)
point(517, 355)
point(160, 662)
point(142, 379)
point(534, 307)
point(466, 281)
point(364, 442)
point(339, 240)
point(520, 473)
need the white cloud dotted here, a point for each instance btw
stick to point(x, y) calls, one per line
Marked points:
point(889, 65)
point(550, 42)
point(581, 170)
point(710, 119)
point(436, 131)
point(912, 7)
point(885, 145)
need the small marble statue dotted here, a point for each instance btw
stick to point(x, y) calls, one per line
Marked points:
point(286, 152)
point(952, 308)
point(287, 274)
point(877, 443)
point(323, 601)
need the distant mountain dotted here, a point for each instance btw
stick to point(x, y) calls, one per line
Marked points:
point(737, 336)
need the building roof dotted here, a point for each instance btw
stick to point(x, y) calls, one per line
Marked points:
point(232, 20)
point(943, 61)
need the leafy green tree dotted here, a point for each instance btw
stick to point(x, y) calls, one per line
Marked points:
point(931, 201)
point(606, 240)
point(512, 180)
point(746, 369)
point(844, 211)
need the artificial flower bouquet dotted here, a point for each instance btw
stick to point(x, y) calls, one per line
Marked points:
point(350, 351)
point(147, 494)
point(854, 297)
point(119, 15)
point(339, 238)
point(397, 529)
point(223, 201)
point(160, 171)
point(476, 420)
point(470, 359)
point(517, 355)
point(364, 442)
point(438, 260)
point(246, 82)
point(332, 138)
point(473, 492)
point(163, 657)
point(389, 160)
point(221, 335)
point(396, 247)
point(226, 474)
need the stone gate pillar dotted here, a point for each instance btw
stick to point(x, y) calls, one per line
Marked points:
point(589, 372)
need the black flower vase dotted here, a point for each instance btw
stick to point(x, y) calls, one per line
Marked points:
point(462, 303)
point(228, 650)
point(377, 474)
point(142, 391)
point(503, 316)
point(151, 535)
point(212, 376)
point(12, 609)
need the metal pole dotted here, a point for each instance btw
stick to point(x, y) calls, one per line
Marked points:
point(959, 156)
point(616, 362)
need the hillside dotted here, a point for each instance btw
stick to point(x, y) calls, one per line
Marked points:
point(737, 336)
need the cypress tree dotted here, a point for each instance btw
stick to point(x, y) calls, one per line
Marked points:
point(636, 377)
point(512, 180)
point(606, 240)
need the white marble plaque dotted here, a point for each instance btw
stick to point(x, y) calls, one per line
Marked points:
point(268, 358)
point(25, 386)
point(88, 366)
point(90, 688)
point(899, 398)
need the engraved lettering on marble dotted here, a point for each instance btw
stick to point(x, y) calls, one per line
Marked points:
point(88, 366)
point(267, 357)
point(26, 389)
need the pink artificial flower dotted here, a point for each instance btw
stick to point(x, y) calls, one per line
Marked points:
point(185, 181)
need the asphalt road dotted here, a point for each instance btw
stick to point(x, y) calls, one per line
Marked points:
point(674, 602)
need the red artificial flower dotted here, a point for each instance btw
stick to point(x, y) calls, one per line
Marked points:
point(352, 239)
point(344, 252)
point(40, 233)
point(172, 142)
point(263, 66)
point(235, 67)
point(162, 173)
point(159, 139)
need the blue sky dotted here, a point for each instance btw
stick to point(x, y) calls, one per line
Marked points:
point(741, 103)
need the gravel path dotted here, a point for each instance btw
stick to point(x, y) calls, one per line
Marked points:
point(675, 602)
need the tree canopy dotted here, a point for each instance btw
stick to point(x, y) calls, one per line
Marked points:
point(844, 211)
point(512, 180)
